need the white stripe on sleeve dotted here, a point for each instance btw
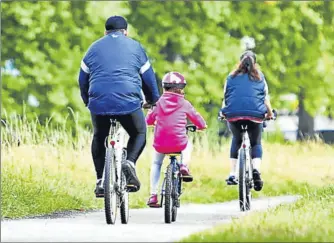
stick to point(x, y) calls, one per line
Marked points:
point(84, 67)
point(145, 67)
point(266, 90)
point(225, 92)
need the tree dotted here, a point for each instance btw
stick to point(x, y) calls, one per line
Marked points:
point(183, 36)
point(288, 41)
point(45, 40)
point(289, 38)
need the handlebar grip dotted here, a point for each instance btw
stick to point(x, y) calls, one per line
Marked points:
point(191, 128)
point(147, 106)
point(275, 114)
point(221, 118)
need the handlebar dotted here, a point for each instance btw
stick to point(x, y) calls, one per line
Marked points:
point(190, 128)
point(220, 118)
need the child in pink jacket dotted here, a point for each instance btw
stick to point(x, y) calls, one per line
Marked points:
point(170, 119)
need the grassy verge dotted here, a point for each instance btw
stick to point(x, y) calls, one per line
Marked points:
point(37, 179)
point(51, 172)
point(311, 219)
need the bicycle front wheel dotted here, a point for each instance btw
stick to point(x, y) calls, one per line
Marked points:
point(176, 195)
point(244, 189)
point(110, 194)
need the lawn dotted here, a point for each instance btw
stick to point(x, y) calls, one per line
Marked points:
point(311, 219)
point(52, 172)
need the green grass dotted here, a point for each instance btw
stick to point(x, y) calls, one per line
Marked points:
point(310, 219)
point(52, 172)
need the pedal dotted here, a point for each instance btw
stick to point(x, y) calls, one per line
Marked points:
point(131, 188)
point(187, 178)
point(99, 195)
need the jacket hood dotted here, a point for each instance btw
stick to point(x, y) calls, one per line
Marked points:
point(169, 102)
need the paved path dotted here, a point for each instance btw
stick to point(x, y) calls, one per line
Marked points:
point(145, 225)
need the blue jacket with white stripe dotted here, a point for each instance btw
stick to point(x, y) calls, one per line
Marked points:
point(113, 73)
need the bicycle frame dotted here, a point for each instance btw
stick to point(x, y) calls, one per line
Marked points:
point(247, 147)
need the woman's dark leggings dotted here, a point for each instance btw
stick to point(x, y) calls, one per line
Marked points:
point(254, 132)
point(133, 123)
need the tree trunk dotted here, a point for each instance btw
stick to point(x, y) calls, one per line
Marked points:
point(305, 120)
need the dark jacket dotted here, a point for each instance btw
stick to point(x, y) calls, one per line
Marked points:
point(245, 97)
point(113, 72)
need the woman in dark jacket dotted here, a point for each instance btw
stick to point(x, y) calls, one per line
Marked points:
point(246, 102)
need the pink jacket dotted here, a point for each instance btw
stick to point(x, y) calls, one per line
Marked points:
point(170, 119)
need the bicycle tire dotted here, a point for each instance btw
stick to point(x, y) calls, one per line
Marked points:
point(243, 185)
point(163, 192)
point(249, 184)
point(174, 213)
point(176, 197)
point(124, 201)
point(110, 195)
point(168, 194)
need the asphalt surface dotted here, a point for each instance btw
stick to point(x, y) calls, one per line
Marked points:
point(145, 225)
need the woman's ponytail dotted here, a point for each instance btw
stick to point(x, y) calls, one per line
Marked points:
point(247, 65)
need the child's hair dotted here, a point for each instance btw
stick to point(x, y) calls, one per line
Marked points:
point(174, 90)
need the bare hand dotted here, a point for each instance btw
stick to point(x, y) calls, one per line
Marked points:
point(269, 115)
point(221, 115)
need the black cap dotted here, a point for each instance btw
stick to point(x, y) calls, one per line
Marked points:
point(116, 23)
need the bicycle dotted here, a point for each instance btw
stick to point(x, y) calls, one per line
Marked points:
point(114, 181)
point(245, 168)
point(171, 188)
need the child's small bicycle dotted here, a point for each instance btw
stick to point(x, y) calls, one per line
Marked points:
point(171, 189)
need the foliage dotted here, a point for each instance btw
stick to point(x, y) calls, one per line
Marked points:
point(46, 40)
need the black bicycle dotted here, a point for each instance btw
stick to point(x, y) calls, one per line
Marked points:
point(245, 180)
point(171, 188)
point(115, 188)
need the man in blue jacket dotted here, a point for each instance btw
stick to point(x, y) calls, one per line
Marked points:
point(114, 71)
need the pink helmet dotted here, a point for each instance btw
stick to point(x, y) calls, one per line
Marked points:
point(174, 80)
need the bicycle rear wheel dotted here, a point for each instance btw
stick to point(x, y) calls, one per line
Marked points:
point(110, 195)
point(168, 194)
point(249, 182)
point(244, 187)
point(124, 202)
point(124, 199)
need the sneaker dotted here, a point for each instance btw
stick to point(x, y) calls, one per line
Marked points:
point(153, 200)
point(99, 190)
point(132, 181)
point(186, 176)
point(258, 183)
point(231, 180)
